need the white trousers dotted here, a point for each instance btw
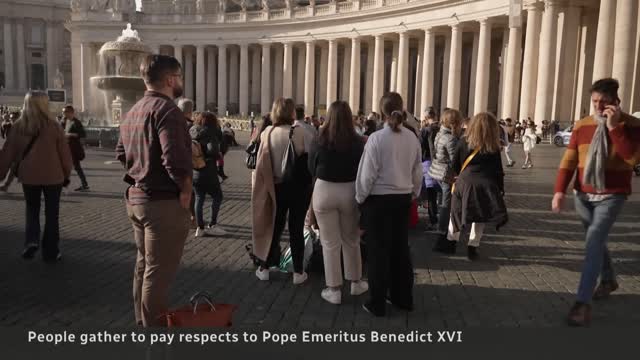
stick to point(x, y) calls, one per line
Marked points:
point(338, 218)
point(507, 153)
point(477, 229)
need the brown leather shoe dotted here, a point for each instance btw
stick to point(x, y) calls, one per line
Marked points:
point(579, 315)
point(605, 289)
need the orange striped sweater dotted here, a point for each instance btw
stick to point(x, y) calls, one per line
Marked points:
point(624, 153)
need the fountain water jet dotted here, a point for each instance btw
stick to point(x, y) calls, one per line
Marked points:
point(119, 74)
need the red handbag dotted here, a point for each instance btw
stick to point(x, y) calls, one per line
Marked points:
point(205, 315)
point(413, 214)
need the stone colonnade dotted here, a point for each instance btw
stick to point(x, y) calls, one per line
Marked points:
point(541, 69)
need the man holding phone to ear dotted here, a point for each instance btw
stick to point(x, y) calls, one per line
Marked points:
point(603, 149)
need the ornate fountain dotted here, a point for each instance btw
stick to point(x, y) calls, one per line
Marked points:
point(119, 74)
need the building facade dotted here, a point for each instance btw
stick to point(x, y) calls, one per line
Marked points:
point(516, 58)
point(34, 51)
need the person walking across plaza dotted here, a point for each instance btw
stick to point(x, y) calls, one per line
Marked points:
point(430, 187)
point(75, 133)
point(441, 168)
point(389, 177)
point(155, 148)
point(7, 123)
point(510, 137)
point(39, 155)
point(478, 193)
point(529, 140)
point(603, 149)
point(334, 160)
point(205, 179)
point(276, 194)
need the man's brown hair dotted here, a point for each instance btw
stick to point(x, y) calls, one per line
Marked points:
point(155, 68)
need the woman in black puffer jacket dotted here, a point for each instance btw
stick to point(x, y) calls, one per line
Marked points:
point(205, 180)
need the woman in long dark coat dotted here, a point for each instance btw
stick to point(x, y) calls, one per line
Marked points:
point(478, 193)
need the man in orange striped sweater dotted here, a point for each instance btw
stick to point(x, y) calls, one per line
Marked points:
point(604, 148)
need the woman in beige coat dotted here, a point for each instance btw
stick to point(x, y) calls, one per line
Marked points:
point(38, 152)
point(276, 200)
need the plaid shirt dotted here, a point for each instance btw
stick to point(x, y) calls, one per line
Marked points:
point(155, 149)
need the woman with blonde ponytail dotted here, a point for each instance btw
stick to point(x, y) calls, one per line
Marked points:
point(38, 152)
point(389, 176)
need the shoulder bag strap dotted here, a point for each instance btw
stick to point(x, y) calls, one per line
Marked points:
point(464, 165)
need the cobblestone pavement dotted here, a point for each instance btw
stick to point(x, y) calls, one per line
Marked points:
point(526, 278)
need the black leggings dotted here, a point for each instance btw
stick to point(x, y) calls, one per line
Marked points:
point(294, 201)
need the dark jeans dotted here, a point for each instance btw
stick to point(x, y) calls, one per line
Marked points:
point(432, 201)
point(445, 207)
point(386, 219)
point(51, 238)
point(78, 168)
point(292, 200)
point(201, 193)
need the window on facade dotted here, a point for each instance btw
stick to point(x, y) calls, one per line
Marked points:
point(36, 33)
point(37, 77)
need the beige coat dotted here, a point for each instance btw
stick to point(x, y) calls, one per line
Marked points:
point(263, 201)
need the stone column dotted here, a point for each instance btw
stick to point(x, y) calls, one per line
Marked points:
point(378, 73)
point(585, 68)
point(177, 53)
point(309, 78)
point(300, 67)
point(445, 71)
point(265, 84)
point(343, 91)
point(482, 68)
point(603, 62)
point(222, 80)
point(428, 64)
point(625, 49)
point(201, 96)
point(512, 75)
point(52, 59)
point(368, 88)
point(455, 67)
point(243, 101)
point(530, 62)
point(277, 73)
point(233, 75)
point(393, 84)
point(86, 50)
point(255, 78)
point(9, 71)
point(332, 72)
point(503, 64)
point(21, 62)
point(402, 82)
point(417, 88)
point(567, 63)
point(546, 70)
point(474, 70)
point(287, 81)
point(323, 75)
point(354, 78)
point(76, 74)
point(188, 74)
point(212, 74)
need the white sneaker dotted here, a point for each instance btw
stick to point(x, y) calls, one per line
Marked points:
point(299, 278)
point(200, 232)
point(331, 295)
point(359, 287)
point(262, 274)
point(216, 230)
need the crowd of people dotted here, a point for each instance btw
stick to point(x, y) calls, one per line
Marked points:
point(353, 178)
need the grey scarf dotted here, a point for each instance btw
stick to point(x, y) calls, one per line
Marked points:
point(597, 156)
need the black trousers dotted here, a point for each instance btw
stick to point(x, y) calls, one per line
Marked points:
point(292, 202)
point(78, 168)
point(432, 200)
point(51, 237)
point(386, 221)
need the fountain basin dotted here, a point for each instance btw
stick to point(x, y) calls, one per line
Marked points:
point(118, 83)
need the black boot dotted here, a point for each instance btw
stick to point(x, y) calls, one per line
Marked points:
point(472, 253)
point(445, 246)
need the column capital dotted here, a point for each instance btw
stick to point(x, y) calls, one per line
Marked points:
point(429, 30)
point(332, 41)
point(485, 21)
point(534, 6)
point(244, 45)
point(266, 45)
point(355, 39)
point(310, 42)
point(222, 46)
point(456, 27)
point(201, 46)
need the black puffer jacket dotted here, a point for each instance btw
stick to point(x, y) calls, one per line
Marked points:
point(206, 137)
